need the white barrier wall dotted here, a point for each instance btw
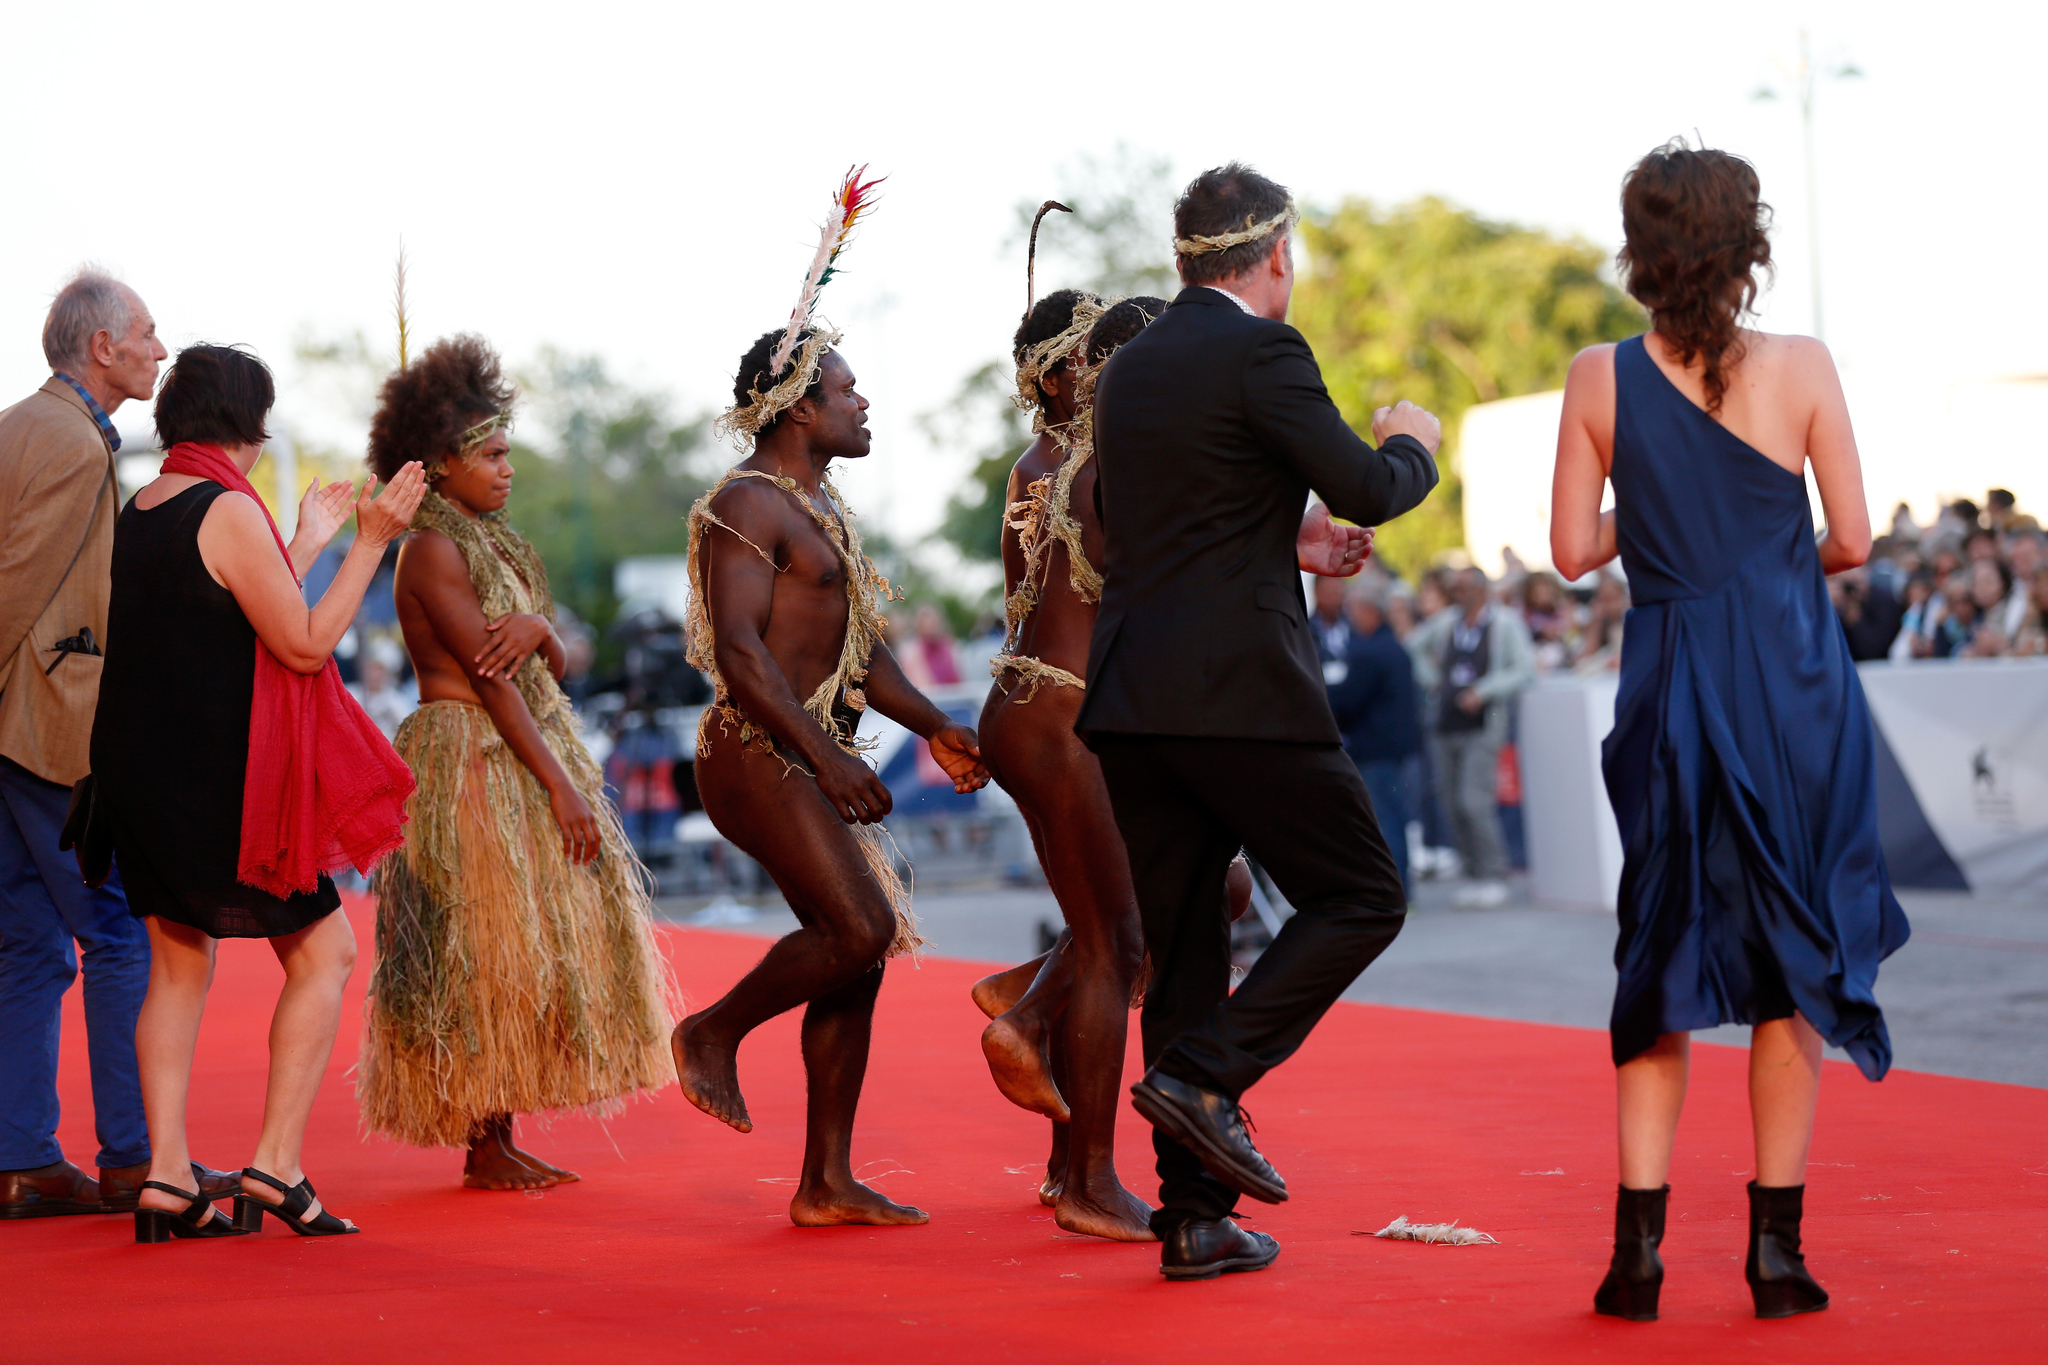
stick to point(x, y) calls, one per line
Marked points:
point(1574, 848)
point(1970, 738)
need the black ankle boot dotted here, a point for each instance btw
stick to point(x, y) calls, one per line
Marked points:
point(1636, 1274)
point(1775, 1269)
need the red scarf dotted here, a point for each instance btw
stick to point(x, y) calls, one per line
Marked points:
point(323, 788)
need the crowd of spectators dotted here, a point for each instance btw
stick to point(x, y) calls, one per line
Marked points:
point(1973, 584)
point(1423, 679)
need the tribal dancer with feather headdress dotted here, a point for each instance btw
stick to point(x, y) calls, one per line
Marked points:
point(516, 968)
point(785, 618)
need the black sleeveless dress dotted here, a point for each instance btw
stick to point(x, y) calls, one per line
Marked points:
point(170, 741)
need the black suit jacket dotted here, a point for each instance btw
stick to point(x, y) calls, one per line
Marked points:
point(1211, 428)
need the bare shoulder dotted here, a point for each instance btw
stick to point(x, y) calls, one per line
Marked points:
point(1591, 376)
point(760, 512)
point(752, 502)
point(1795, 370)
point(432, 572)
point(1787, 353)
point(1040, 458)
point(1594, 362)
point(429, 553)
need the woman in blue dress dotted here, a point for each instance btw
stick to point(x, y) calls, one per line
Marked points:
point(1753, 890)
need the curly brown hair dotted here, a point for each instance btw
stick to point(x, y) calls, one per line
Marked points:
point(1696, 232)
point(424, 408)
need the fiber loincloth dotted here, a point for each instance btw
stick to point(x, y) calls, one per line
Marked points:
point(877, 845)
point(506, 979)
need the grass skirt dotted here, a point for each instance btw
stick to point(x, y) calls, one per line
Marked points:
point(506, 979)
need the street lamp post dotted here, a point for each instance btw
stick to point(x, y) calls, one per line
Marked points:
point(1804, 79)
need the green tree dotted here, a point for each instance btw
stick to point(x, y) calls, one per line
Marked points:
point(980, 418)
point(1435, 304)
point(613, 475)
point(1117, 242)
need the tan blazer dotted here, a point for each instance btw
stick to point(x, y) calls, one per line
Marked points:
point(58, 501)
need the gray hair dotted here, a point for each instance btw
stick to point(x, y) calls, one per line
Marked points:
point(1368, 587)
point(91, 302)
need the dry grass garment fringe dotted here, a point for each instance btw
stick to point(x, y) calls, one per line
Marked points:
point(865, 587)
point(1032, 674)
point(1044, 355)
point(506, 979)
point(1044, 516)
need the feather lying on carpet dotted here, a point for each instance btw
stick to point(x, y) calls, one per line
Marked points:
point(1436, 1234)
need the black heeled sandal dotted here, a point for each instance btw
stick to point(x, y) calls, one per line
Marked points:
point(249, 1210)
point(198, 1220)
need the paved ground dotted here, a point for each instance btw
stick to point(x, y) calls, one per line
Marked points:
point(1967, 997)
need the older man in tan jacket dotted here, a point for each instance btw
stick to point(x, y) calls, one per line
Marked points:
point(58, 502)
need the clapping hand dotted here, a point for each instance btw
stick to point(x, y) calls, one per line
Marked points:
point(321, 513)
point(383, 515)
point(1325, 548)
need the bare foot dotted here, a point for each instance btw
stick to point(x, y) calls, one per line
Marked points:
point(1021, 1069)
point(493, 1164)
point(561, 1175)
point(709, 1076)
point(1122, 1217)
point(850, 1202)
point(1055, 1166)
point(996, 994)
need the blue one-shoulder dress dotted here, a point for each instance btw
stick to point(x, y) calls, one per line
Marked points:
point(1740, 766)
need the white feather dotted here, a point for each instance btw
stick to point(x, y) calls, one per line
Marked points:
point(1436, 1234)
point(813, 279)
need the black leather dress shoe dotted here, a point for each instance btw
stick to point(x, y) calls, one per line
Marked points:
point(1204, 1249)
point(48, 1191)
point(1212, 1127)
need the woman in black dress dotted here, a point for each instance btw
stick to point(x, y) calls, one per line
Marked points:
point(198, 580)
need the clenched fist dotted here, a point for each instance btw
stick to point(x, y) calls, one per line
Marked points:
point(1405, 419)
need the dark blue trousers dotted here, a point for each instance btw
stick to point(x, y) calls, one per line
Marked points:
point(49, 920)
point(1386, 782)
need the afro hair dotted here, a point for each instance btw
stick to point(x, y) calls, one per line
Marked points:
point(424, 408)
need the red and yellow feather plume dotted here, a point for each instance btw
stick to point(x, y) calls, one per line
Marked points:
point(850, 202)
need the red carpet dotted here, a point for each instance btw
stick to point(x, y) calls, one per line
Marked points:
point(1925, 1217)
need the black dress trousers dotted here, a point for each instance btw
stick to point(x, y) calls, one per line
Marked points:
point(1184, 806)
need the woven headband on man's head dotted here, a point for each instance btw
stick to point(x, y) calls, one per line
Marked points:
point(1201, 246)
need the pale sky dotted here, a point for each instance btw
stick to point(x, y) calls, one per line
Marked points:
point(643, 180)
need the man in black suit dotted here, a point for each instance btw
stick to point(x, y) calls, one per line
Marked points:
point(1205, 698)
